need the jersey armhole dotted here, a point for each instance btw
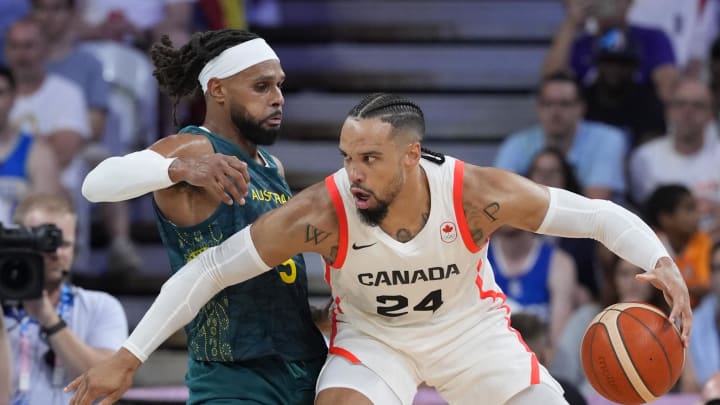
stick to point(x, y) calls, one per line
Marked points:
point(459, 172)
point(342, 222)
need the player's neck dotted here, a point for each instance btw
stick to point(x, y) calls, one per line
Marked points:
point(411, 208)
point(229, 132)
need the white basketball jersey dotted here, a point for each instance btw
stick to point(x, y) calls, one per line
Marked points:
point(437, 278)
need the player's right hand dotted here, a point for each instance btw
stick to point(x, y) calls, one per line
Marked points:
point(225, 177)
point(108, 379)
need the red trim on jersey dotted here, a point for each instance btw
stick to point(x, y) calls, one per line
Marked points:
point(459, 210)
point(534, 365)
point(339, 351)
point(327, 276)
point(342, 222)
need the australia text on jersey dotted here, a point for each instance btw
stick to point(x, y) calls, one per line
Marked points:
point(267, 195)
point(395, 277)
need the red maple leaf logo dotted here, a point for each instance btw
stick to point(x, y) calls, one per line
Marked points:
point(447, 228)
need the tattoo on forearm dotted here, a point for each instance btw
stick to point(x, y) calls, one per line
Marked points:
point(333, 254)
point(403, 235)
point(491, 210)
point(315, 235)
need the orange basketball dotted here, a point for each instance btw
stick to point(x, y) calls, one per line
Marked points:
point(631, 353)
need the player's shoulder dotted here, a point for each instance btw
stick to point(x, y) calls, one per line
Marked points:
point(183, 144)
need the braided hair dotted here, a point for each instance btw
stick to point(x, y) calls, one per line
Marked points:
point(399, 112)
point(177, 69)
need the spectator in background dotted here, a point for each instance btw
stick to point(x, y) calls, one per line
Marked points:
point(49, 106)
point(136, 21)
point(596, 151)
point(704, 353)
point(27, 163)
point(572, 48)
point(538, 277)
point(55, 338)
point(550, 168)
point(690, 25)
point(535, 334)
point(56, 18)
point(687, 155)
point(672, 211)
point(82, 68)
point(714, 73)
point(615, 97)
point(240, 14)
point(620, 285)
point(11, 11)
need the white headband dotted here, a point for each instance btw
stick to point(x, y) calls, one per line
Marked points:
point(236, 59)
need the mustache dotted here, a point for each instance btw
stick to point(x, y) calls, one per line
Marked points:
point(277, 113)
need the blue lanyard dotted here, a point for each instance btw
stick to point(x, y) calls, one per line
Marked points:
point(64, 307)
point(67, 299)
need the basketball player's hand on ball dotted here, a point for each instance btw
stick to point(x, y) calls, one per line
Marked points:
point(225, 177)
point(667, 278)
point(108, 379)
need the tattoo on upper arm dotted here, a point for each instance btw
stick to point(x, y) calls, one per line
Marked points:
point(315, 235)
point(333, 254)
point(403, 235)
point(490, 211)
point(478, 235)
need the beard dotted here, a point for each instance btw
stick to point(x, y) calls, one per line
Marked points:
point(252, 129)
point(374, 216)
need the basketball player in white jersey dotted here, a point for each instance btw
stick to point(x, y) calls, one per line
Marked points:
point(404, 232)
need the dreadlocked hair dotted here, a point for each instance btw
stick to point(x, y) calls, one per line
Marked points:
point(177, 69)
point(399, 112)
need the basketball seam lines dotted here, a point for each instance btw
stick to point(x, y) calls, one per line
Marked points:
point(625, 361)
point(667, 358)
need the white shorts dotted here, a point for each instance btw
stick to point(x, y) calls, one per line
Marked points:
point(338, 372)
point(476, 358)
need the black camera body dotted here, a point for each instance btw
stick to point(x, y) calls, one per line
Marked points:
point(22, 269)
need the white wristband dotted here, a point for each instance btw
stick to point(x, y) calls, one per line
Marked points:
point(620, 230)
point(181, 297)
point(122, 178)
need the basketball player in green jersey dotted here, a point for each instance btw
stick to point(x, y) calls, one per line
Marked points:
point(255, 342)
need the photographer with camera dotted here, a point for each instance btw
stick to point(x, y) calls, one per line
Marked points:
point(57, 332)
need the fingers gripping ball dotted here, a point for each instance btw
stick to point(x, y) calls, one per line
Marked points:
point(631, 353)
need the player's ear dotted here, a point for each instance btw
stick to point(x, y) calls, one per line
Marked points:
point(413, 153)
point(216, 90)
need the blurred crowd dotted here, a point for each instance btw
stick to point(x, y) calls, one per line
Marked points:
point(627, 110)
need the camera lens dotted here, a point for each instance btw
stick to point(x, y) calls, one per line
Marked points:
point(21, 275)
point(15, 274)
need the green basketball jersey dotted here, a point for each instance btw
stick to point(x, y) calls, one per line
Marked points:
point(266, 315)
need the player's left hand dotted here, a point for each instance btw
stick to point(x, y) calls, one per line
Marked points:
point(667, 278)
point(109, 379)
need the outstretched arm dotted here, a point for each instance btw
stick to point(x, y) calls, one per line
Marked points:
point(307, 223)
point(518, 202)
point(174, 159)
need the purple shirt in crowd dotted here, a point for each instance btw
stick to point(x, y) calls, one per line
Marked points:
point(655, 50)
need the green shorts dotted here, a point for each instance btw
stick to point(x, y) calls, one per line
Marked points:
point(265, 381)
